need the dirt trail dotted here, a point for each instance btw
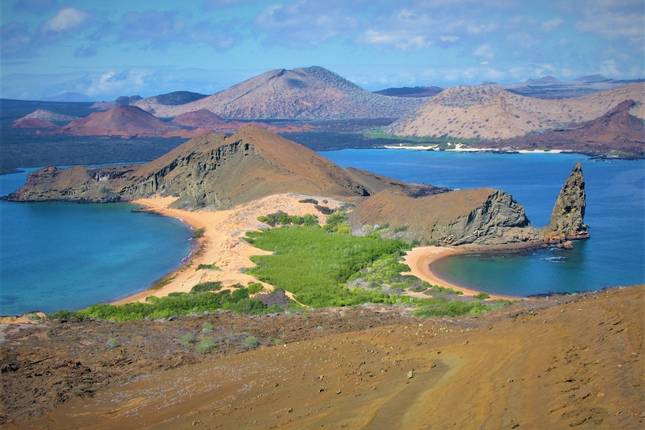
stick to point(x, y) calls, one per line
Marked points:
point(574, 365)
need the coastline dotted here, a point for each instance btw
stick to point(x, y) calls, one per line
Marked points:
point(221, 243)
point(420, 260)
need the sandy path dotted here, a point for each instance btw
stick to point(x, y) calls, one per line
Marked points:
point(222, 243)
point(420, 260)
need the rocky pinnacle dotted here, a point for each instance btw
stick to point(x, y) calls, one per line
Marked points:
point(567, 218)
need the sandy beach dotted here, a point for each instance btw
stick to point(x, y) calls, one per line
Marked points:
point(420, 261)
point(222, 242)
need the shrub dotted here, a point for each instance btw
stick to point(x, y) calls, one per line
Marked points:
point(211, 266)
point(251, 342)
point(205, 346)
point(254, 288)
point(112, 343)
point(187, 339)
point(206, 286)
point(337, 223)
point(207, 328)
point(284, 219)
point(198, 232)
point(482, 296)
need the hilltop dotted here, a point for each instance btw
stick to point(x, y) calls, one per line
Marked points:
point(310, 93)
point(490, 112)
point(121, 120)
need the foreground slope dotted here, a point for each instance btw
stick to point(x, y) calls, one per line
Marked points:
point(490, 112)
point(561, 362)
point(311, 93)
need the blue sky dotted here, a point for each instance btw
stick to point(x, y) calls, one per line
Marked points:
point(105, 49)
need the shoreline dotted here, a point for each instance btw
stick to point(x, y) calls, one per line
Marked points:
point(421, 259)
point(221, 244)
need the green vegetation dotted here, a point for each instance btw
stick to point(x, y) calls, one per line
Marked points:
point(207, 328)
point(211, 266)
point(254, 288)
point(173, 305)
point(206, 286)
point(337, 223)
point(198, 233)
point(205, 346)
point(282, 218)
point(112, 343)
point(482, 296)
point(187, 339)
point(442, 307)
point(251, 342)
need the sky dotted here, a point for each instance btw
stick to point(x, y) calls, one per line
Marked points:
point(106, 49)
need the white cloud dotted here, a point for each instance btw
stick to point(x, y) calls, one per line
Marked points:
point(552, 24)
point(66, 19)
point(398, 39)
point(484, 51)
point(112, 82)
point(449, 38)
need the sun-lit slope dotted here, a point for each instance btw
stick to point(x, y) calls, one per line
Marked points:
point(490, 112)
point(303, 93)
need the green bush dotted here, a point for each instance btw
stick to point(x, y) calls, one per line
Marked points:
point(207, 328)
point(337, 223)
point(251, 342)
point(112, 343)
point(254, 288)
point(482, 296)
point(211, 266)
point(206, 286)
point(284, 219)
point(187, 339)
point(205, 346)
point(198, 232)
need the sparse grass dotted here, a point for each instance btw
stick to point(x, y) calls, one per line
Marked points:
point(207, 328)
point(112, 343)
point(211, 266)
point(251, 342)
point(187, 339)
point(205, 346)
point(442, 307)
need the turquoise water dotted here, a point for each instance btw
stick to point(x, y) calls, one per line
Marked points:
point(615, 254)
point(66, 255)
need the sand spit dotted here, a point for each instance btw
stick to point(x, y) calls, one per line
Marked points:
point(222, 242)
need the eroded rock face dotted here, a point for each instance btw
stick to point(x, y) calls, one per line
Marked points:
point(567, 218)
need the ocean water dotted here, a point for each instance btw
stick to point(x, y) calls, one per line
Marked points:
point(67, 255)
point(614, 255)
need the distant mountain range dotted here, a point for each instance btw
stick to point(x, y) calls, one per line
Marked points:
point(410, 91)
point(310, 93)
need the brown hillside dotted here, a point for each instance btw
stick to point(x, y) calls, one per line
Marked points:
point(490, 112)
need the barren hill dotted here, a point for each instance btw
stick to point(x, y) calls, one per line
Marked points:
point(121, 121)
point(199, 118)
point(312, 93)
point(617, 130)
point(213, 171)
point(490, 112)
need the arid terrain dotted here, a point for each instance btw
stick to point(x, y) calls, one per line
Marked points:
point(490, 112)
point(559, 362)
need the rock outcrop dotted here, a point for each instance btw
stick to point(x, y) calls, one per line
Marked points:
point(477, 216)
point(567, 218)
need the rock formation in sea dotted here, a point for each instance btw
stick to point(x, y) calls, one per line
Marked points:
point(567, 218)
